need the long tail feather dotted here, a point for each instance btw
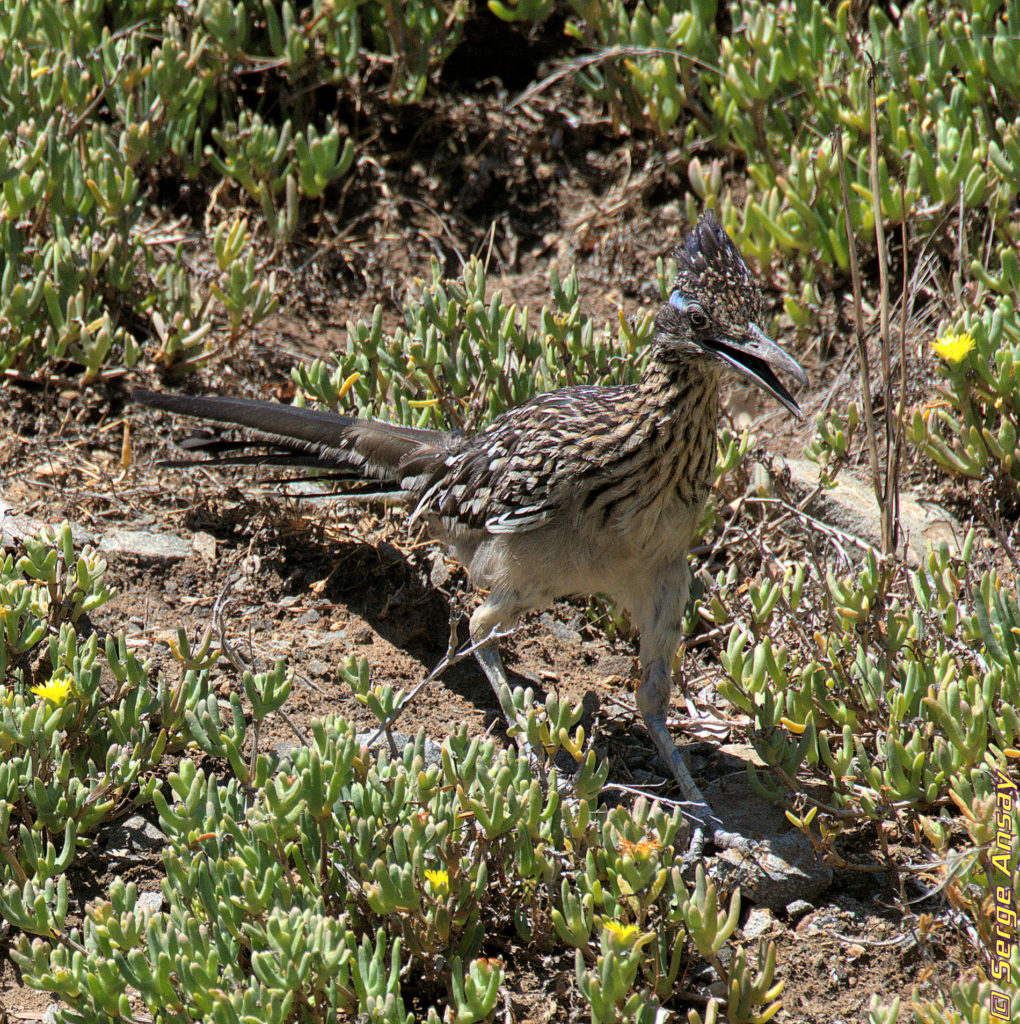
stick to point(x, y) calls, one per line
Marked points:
point(290, 436)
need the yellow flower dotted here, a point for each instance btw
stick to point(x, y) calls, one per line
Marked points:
point(954, 347)
point(57, 690)
point(440, 880)
point(639, 851)
point(623, 934)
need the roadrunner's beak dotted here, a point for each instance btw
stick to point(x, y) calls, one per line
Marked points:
point(756, 356)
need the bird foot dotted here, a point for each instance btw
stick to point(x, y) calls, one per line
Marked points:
point(706, 825)
point(771, 870)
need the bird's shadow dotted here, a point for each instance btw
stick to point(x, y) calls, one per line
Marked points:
point(388, 588)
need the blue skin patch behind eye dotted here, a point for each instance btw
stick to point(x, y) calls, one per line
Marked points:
point(677, 301)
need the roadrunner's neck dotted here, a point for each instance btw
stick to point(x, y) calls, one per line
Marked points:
point(681, 399)
point(644, 455)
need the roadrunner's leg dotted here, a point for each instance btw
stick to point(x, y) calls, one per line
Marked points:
point(487, 625)
point(486, 621)
point(660, 620)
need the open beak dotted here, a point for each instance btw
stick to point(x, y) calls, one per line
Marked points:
point(757, 357)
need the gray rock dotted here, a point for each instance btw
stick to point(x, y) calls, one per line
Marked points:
point(145, 546)
point(149, 902)
point(851, 506)
point(15, 529)
point(784, 865)
point(782, 868)
point(433, 751)
point(328, 638)
point(441, 573)
point(758, 922)
point(560, 630)
point(204, 545)
point(798, 908)
point(132, 838)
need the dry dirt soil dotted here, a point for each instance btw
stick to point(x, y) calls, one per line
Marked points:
point(549, 179)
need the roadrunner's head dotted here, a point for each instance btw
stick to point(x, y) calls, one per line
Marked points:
point(715, 313)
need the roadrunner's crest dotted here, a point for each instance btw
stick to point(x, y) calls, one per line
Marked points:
point(711, 272)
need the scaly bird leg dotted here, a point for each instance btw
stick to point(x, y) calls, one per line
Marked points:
point(485, 630)
point(661, 628)
point(652, 700)
point(485, 623)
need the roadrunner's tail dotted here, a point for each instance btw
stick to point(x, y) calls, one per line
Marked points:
point(398, 458)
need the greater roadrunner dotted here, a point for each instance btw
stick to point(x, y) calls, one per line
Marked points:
point(585, 490)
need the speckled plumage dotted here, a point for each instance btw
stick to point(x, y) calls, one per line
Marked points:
point(584, 490)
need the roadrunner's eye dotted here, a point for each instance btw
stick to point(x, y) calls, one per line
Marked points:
point(697, 318)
